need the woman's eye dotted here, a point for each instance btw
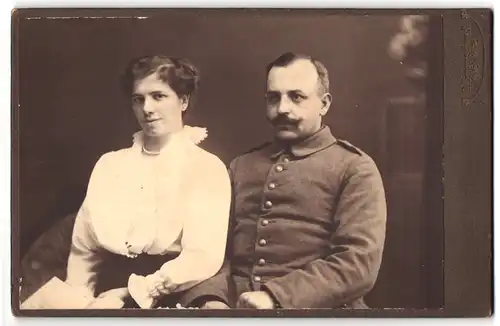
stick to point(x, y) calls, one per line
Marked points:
point(137, 100)
point(159, 96)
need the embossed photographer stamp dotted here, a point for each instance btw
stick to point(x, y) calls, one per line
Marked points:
point(474, 56)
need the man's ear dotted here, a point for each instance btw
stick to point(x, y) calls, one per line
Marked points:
point(326, 99)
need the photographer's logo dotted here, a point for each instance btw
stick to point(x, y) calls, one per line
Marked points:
point(473, 47)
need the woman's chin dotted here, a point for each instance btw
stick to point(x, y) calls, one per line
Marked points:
point(154, 132)
point(159, 131)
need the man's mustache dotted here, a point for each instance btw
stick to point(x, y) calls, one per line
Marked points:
point(284, 120)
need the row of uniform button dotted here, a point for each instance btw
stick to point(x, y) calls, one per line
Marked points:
point(268, 204)
point(271, 185)
point(261, 262)
point(262, 242)
point(279, 167)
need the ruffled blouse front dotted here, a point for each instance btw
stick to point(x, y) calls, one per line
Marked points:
point(140, 203)
point(134, 195)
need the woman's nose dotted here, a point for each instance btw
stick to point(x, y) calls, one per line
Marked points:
point(147, 107)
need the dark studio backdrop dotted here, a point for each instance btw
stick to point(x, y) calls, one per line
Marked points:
point(71, 111)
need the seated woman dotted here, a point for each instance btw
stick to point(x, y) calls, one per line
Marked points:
point(155, 217)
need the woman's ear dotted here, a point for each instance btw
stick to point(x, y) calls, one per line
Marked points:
point(184, 102)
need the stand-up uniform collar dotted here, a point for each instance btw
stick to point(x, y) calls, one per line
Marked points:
point(322, 139)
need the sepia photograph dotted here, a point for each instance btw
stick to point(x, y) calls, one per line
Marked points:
point(201, 160)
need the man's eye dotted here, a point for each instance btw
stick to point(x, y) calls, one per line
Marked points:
point(137, 100)
point(297, 97)
point(272, 98)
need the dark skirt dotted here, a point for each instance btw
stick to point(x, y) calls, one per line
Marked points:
point(48, 257)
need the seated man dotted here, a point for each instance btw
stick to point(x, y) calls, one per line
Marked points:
point(309, 210)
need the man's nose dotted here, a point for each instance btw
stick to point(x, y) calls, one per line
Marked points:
point(283, 106)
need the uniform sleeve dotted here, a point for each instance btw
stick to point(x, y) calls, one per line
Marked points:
point(352, 267)
point(219, 287)
point(204, 232)
point(85, 257)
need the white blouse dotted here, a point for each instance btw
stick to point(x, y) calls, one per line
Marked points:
point(176, 201)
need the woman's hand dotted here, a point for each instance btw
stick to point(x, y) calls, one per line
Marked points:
point(112, 299)
point(146, 290)
point(160, 284)
point(143, 289)
point(120, 293)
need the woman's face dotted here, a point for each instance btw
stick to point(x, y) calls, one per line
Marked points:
point(157, 107)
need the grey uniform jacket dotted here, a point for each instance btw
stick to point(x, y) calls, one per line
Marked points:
point(308, 226)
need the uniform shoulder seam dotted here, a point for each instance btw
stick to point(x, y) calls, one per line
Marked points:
point(256, 148)
point(350, 147)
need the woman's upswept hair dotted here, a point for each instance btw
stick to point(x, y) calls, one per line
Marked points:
point(179, 73)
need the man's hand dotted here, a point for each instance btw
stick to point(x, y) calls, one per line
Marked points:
point(215, 305)
point(255, 300)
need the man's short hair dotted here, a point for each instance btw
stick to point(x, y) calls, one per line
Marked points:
point(289, 57)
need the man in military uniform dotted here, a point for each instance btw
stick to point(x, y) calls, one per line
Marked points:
point(309, 210)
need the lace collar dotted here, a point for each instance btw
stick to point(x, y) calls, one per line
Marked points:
point(192, 134)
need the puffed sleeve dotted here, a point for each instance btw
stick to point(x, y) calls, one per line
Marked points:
point(220, 287)
point(85, 257)
point(205, 230)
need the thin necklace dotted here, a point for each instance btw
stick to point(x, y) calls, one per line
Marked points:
point(150, 152)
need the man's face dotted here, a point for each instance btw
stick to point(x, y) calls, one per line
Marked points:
point(295, 105)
